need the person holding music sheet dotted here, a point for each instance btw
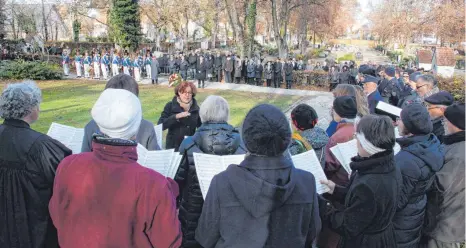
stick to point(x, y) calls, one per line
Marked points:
point(264, 201)
point(28, 161)
point(370, 199)
point(215, 136)
point(106, 192)
point(421, 156)
point(181, 115)
point(344, 113)
point(146, 135)
point(307, 135)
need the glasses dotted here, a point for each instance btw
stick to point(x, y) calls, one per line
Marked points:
point(418, 87)
point(398, 119)
point(186, 93)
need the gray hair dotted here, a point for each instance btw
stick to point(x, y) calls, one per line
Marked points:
point(214, 109)
point(428, 79)
point(18, 100)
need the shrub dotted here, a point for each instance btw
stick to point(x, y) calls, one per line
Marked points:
point(346, 57)
point(314, 53)
point(36, 70)
point(311, 78)
point(455, 86)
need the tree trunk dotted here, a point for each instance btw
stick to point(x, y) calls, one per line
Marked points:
point(230, 18)
point(215, 28)
point(56, 31)
point(186, 34)
point(251, 22)
point(280, 38)
point(44, 22)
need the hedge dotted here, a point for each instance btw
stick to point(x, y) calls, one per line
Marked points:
point(455, 85)
point(314, 78)
point(36, 70)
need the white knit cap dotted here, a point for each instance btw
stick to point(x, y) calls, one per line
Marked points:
point(118, 113)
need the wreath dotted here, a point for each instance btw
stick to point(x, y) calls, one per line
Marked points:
point(174, 80)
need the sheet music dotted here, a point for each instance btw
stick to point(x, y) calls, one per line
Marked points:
point(69, 136)
point(309, 162)
point(337, 154)
point(388, 108)
point(232, 159)
point(159, 133)
point(207, 166)
point(347, 150)
point(174, 165)
point(159, 161)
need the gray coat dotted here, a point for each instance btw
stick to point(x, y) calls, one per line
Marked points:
point(146, 136)
point(154, 68)
point(238, 67)
point(445, 202)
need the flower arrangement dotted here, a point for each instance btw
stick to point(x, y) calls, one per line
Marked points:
point(174, 80)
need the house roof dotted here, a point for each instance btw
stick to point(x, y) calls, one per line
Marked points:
point(445, 56)
point(424, 56)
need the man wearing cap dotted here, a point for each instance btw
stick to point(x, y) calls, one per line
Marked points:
point(420, 157)
point(104, 198)
point(445, 202)
point(408, 93)
point(370, 89)
point(436, 104)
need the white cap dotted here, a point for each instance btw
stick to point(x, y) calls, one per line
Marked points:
point(118, 113)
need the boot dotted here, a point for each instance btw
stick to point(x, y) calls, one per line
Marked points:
point(203, 84)
point(153, 81)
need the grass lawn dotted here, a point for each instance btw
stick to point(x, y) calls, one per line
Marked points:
point(69, 102)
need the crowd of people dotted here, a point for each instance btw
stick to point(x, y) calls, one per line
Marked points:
point(103, 198)
point(193, 65)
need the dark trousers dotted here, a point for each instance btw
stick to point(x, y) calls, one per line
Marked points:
point(288, 84)
point(156, 81)
point(251, 81)
point(269, 82)
point(192, 73)
point(259, 82)
point(228, 77)
point(276, 83)
point(219, 75)
point(184, 74)
point(238, 80)
point(199, 81)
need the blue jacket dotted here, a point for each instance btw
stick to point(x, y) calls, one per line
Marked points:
point(87, 60)
point(77, 58)
point(372, 100)
point(420, 158)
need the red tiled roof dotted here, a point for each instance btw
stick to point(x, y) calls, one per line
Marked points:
point(445, 56)
point(424, 56)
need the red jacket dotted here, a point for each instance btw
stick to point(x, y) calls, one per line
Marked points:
point(105, 198)
point(333, 169)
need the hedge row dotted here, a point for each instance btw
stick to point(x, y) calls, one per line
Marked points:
point(312, 78)
point(36, 70)
point(455, 85)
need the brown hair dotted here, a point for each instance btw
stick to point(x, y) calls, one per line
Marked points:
point(124, 82)
point(357, 92)
point(182, 88)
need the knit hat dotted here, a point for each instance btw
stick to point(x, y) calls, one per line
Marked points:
point(345, 107)
point(455, 115)
point(390, 71)
point(266, 131)
point(118, 113)
point(416, 119)
point(440, 98)
point(304, 117)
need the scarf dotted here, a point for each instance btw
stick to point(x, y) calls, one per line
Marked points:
point(185, 106)
point(297, 136)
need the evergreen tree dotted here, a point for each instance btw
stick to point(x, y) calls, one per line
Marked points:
point(125, 24)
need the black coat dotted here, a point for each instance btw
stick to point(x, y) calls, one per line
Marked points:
point(192, 60)
point(28, 161)
point(229, 64)
point(210, 138)
point(201, 70)
point(178, 129)
point(278, 71)
point(419, 159)
point(209, 63)
point(438, 130)
point(288, 72)
point(218, 61)
point(263, 202)
point(184, 65)
point(259, 69)
point(268, 71)
point(370, 202)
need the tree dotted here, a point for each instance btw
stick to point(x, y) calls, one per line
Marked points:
point(125, 23)
point(76, 29)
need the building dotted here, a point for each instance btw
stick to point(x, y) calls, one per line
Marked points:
point(443, 62)
point(424, 59)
